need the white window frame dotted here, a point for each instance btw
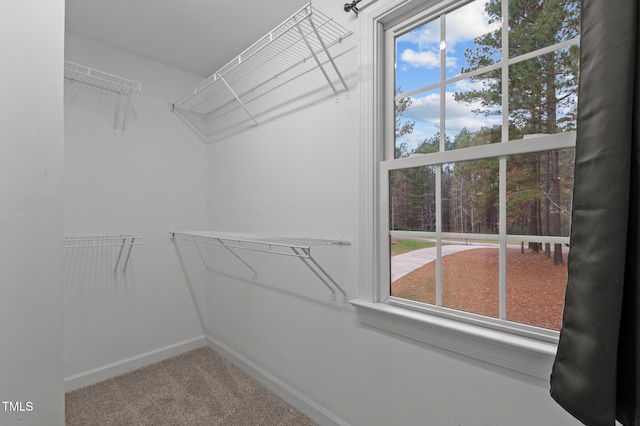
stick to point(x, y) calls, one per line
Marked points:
point(529, 350)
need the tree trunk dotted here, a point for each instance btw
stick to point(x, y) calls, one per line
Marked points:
point(547, 203)
point(551, 107)
point(555, 213)
point(533, 226)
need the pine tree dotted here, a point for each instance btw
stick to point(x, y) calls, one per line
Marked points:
point(542, 96)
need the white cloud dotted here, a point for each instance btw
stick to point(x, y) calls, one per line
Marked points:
point(467, 23)
point(420, 59)
point(468, 85)
point(416, 137)
point(425, 37)
point(463, 25)
point(425, 111)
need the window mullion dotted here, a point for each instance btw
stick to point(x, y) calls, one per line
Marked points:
point(439, 236)
point(443, 77)
point(502, 197)
point(442, 147)
point(502, 265)
point(384, 290)
point(389, 89)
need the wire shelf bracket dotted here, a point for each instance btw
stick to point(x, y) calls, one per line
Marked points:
point(294, 247)
point(76, 73)
point(307, 34)
point(122, 241)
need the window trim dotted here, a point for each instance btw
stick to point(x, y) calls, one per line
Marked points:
point(495, 344)
point(525, 355)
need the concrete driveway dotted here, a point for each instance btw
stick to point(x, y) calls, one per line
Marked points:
point(405, 263)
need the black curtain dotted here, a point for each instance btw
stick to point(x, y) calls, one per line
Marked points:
point(595, 375)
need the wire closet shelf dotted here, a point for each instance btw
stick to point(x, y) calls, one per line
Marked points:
point(124, 88)
point(299, 247)
point(100, 79)
point(303, 36)
point(98, 241)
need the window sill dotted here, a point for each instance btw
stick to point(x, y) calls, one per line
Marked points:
point(521, 354)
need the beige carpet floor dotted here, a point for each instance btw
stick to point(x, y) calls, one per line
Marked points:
point(196, 388)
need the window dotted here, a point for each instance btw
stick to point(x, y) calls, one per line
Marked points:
point(472, 161)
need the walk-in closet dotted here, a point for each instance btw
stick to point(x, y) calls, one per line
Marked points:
point(182, 176)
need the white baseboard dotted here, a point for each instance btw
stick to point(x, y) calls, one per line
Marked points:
point(127, 365)
point(306, 406)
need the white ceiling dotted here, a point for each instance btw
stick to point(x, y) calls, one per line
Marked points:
point(197, 36)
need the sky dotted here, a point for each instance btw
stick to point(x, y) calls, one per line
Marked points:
point(418, 64)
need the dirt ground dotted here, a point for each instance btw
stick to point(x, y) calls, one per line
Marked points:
point(535, 286)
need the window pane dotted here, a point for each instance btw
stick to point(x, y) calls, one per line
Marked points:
point(413, 199)
point(417, 125)
point(474, 37)
point(413, 269)
point(536, 285)
point(536, 24)
point(470, 277)
point(470, 196)
point(543, 94)
point(540, 193)
point(418, 57)
point(473, 111)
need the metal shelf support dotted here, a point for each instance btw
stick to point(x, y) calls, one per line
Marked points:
point(293, 247)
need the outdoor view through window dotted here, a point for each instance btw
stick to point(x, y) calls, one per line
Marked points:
point(480, 171)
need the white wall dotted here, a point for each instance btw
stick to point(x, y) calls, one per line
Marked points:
point(144, 181)
point(298, 174)
point(31, 163)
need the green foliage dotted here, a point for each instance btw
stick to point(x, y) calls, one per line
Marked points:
point(403, 246)
point(413, 199)
point(432, 144)
point(406, 127)
point(542, 89)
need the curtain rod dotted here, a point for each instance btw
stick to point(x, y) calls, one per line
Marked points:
point(353, 6)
